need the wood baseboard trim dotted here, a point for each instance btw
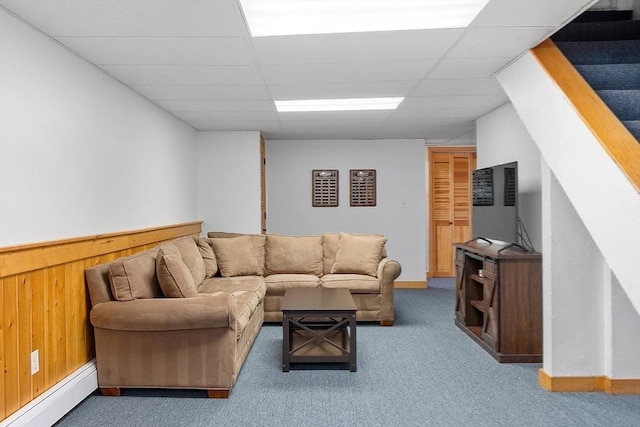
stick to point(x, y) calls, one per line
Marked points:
point(622, 386)
point(415, 284)
point(588, 384)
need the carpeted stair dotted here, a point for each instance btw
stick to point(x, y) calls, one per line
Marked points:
point(604, 46)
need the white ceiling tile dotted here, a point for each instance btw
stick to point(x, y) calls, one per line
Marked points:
point(321, 132)
point(458, 101)
point(217, 105)
point(203, 92)
point(424, 121)
point(343, 90)
point(528, 13)
point(184, 75)
point(195, 57)
point(467, 68)
point(373, 123)
point(468, 113)
point(392, 45)
point(161, 50)
point(227, 115)
point(453, 87)
point(344, 72)
point(322, 116)
point(117, 18)
point(259, 125)
point(497, 42)
point(423, 132)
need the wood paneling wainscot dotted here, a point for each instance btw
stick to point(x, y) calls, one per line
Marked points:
point(45, 306)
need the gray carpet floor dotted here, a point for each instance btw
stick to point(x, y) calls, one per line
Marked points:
point(423, 371)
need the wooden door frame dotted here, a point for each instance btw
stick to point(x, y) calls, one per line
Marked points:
point(431, 225)
point(263, 186)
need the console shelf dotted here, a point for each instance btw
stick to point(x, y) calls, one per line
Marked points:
point(499, 299)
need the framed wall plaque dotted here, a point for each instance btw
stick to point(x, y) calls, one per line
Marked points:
point(362, 186)
point(324, 188)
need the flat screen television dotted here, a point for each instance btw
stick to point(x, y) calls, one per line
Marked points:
point(494, 198)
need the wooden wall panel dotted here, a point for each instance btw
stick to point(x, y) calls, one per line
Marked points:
point(45, 306)
point(11, 365)
point(3, 393)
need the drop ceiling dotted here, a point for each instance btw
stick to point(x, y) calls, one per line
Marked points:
point(196, 59)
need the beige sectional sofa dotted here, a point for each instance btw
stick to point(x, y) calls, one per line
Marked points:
point(185, 314)
point(312, 261)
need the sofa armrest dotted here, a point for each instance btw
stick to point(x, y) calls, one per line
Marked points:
point(166, 314)
point(388, 272)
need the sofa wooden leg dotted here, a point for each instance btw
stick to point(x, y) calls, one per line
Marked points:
point(218, 394)
point(110, 391)
point(386, 323)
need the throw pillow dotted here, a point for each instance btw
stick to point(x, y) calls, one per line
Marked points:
point(257, 244)
point(358, 254)
point(293, 254)
point(134, 277)
point(174, 276)
point(191, 257)
point(209, 257)
point(235, 256)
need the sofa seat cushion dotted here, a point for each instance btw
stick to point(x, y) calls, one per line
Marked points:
point(278, 283)
point(234, 284)
point(356, 283)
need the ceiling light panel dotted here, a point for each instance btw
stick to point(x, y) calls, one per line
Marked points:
point(352, 104)
point(288, 17)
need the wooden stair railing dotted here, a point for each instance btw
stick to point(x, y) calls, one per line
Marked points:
point(614, 137)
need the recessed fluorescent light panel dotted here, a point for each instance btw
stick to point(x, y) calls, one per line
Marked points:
point(291, 17)
point(338, 104)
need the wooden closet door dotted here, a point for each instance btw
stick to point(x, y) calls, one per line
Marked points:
point(449, 205)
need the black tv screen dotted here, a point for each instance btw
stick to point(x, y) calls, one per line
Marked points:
point(495, 203)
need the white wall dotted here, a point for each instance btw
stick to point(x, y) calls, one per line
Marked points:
point(80, 153)
point(604, 198)
point(591, 235)
point(400, 170)
point(228, 169)
point(503, 138)
point(573, 313)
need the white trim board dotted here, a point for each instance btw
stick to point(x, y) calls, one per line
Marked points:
point(53, 404)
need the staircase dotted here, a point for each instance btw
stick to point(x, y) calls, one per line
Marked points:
point(604, 47)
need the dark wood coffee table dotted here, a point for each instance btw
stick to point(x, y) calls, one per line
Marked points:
point(318, 326)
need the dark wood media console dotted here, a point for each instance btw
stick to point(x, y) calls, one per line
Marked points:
point(499, 299)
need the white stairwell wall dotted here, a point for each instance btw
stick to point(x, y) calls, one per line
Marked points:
point(591, 290)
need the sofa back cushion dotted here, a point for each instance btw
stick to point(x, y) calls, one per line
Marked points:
point(190, 255)
point(236, 256)
point(330, 243)
point(257, 244)
point(134, 277)
point(174, 276)
point(359, 254)
point(293, 255)
point(208, 256)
